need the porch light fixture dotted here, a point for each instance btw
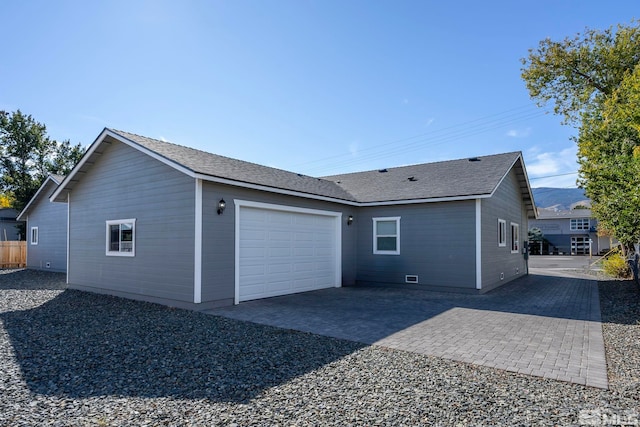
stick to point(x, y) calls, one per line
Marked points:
point(349, 219)
point(221, 205)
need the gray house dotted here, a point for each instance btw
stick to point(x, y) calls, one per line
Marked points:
point(9, 225)
point(160, 222)
point(572, 232)
point(46, 228)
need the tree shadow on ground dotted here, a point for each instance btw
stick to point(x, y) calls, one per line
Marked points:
point(82, 345)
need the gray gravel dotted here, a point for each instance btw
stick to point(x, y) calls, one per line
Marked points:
point(74, 358)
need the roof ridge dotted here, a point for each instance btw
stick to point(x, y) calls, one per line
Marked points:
point(519, 153)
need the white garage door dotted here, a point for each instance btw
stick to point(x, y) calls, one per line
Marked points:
point(285, 251)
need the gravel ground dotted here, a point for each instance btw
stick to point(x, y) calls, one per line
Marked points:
point(69, 358)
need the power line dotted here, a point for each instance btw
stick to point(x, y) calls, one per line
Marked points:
point(436, 137)
point(553, 176)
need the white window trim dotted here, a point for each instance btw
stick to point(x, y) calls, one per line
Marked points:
point(515, 237)
point(502, 232)
point(397, 236)
point(573, 224)
point(31, 239)
point(108, 236)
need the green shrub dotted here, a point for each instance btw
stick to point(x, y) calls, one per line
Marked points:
point(616, 265)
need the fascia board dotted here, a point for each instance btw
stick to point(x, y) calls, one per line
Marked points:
point(36, 197)
point(331, 199)
point(526, 178)
point(99, 140)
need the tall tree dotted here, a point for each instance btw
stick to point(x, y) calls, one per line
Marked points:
point(590, 79)
point(28, 156)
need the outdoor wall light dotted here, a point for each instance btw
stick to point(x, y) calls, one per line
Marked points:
point(221, 205)
point(349, 219)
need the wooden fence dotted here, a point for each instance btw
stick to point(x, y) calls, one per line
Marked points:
point(13, 254)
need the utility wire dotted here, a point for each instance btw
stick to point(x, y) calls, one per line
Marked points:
point(446, 135)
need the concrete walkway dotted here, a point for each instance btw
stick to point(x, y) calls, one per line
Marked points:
point(538, 325)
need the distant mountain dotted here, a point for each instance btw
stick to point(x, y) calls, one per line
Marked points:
point(562, 199)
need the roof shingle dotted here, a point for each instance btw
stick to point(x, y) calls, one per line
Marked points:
point(478, 176)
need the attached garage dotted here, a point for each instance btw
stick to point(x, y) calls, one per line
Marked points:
point(284, 250)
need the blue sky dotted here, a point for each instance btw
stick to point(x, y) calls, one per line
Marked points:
point(318, 87)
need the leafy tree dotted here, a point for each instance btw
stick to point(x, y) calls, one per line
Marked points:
point(28, 156)
point(579, 73)
point(6, 200)
point(594, 81)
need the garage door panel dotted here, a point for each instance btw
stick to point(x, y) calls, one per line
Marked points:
point(282, 252)
point(279, 268)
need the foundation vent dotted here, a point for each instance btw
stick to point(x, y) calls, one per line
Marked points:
point(411, 278)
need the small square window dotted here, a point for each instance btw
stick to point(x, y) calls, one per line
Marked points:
point(386, 236)
point(502, 233)
point(34, 235)
point(121, 237)
point(515, 238)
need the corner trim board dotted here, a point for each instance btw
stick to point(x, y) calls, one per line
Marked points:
point(197, 262)
point(478, 244)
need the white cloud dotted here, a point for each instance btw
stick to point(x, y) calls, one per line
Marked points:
point(429, 121)
point(353, 149)
point(552, 168)
point(163, 139)
point(519, 133)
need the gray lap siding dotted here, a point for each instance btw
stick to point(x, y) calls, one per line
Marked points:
point(437, 243)
point(125, 183)
point(51, 220)
point(218, 237)
point(506, 203)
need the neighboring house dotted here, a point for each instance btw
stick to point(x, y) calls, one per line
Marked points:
point(571, 232)
point(160, 222)
point(46, 229)
point(9, 225)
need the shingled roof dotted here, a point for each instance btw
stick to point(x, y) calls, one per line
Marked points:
point(475, 176)
point(214, 165)
point(455, 179)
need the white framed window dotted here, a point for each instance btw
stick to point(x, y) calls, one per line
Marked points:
point(34, 236)
point(502, 233)
point(515, 238)
point(579, 224)
point(121, 237)
point(386, 236)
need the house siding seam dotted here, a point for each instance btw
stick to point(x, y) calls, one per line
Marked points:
point(197, 264)
point(219, 237)
point(499, 265)
point(123, 183)
point(436, 241)
point(478, 242)
point(49, 218)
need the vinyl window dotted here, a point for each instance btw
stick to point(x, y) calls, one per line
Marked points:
point(121, 237)
point(515, 238)
point(502, 233)
point(579, 224)
point(34, 235)
point(386, 236)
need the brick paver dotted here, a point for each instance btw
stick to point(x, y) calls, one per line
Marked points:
point(538, 325)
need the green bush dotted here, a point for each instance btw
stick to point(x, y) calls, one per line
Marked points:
point(616, 265)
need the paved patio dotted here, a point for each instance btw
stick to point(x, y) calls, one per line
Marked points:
point(538, 325)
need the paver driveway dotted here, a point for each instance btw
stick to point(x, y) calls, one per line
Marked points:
point(537, 325)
